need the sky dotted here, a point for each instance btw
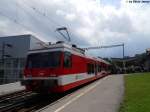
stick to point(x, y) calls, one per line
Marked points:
point(89, 22)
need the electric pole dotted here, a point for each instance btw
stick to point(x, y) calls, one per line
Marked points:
point(124, 65)
point(111, 46)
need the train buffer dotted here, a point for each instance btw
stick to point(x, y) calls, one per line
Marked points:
point(103, 95)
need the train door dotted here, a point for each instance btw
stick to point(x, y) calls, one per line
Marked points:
point(67, 62)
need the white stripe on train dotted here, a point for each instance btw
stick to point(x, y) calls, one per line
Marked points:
point(64, 79)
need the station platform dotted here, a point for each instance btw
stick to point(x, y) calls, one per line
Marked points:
point(10, 88)
point(103, 95)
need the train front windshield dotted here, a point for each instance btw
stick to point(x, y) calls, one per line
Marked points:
point(44, 60)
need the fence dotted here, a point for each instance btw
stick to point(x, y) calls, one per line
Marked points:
point(11, 69)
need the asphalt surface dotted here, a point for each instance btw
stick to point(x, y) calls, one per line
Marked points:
point(104, 95)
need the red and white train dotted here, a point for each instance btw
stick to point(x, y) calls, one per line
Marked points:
point(61, 67)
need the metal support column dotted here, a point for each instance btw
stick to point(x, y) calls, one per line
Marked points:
point(124, 65)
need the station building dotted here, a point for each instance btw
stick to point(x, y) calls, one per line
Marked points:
point(13, 53)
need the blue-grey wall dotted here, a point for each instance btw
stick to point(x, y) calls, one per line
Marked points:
point(20, 45)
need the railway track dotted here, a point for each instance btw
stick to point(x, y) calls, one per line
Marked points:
point(31, 102)
point(5, 98)
point(26, 101)
point(14, 101)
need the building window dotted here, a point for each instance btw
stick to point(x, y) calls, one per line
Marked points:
point(67, 60)
point(15, 63)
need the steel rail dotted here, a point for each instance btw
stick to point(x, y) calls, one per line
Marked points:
point(15, 102)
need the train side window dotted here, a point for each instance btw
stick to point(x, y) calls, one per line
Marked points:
point(89, 68)
point(67, 60)
point(99, 68)
point(96, 68)
point(93, 70)
point(103, 68)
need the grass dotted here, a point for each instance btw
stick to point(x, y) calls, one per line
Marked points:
point(137, 93)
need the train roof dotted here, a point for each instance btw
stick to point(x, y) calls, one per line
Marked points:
point(58, 46)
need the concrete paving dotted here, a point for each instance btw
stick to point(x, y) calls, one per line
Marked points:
point(103, 95)
point(10, 88)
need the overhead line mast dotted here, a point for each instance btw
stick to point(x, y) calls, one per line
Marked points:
point(109, 46)
point(100, 47)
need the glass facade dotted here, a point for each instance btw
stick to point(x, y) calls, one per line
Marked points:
point(11, 70)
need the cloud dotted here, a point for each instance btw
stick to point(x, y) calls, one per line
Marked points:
point(90, 22)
